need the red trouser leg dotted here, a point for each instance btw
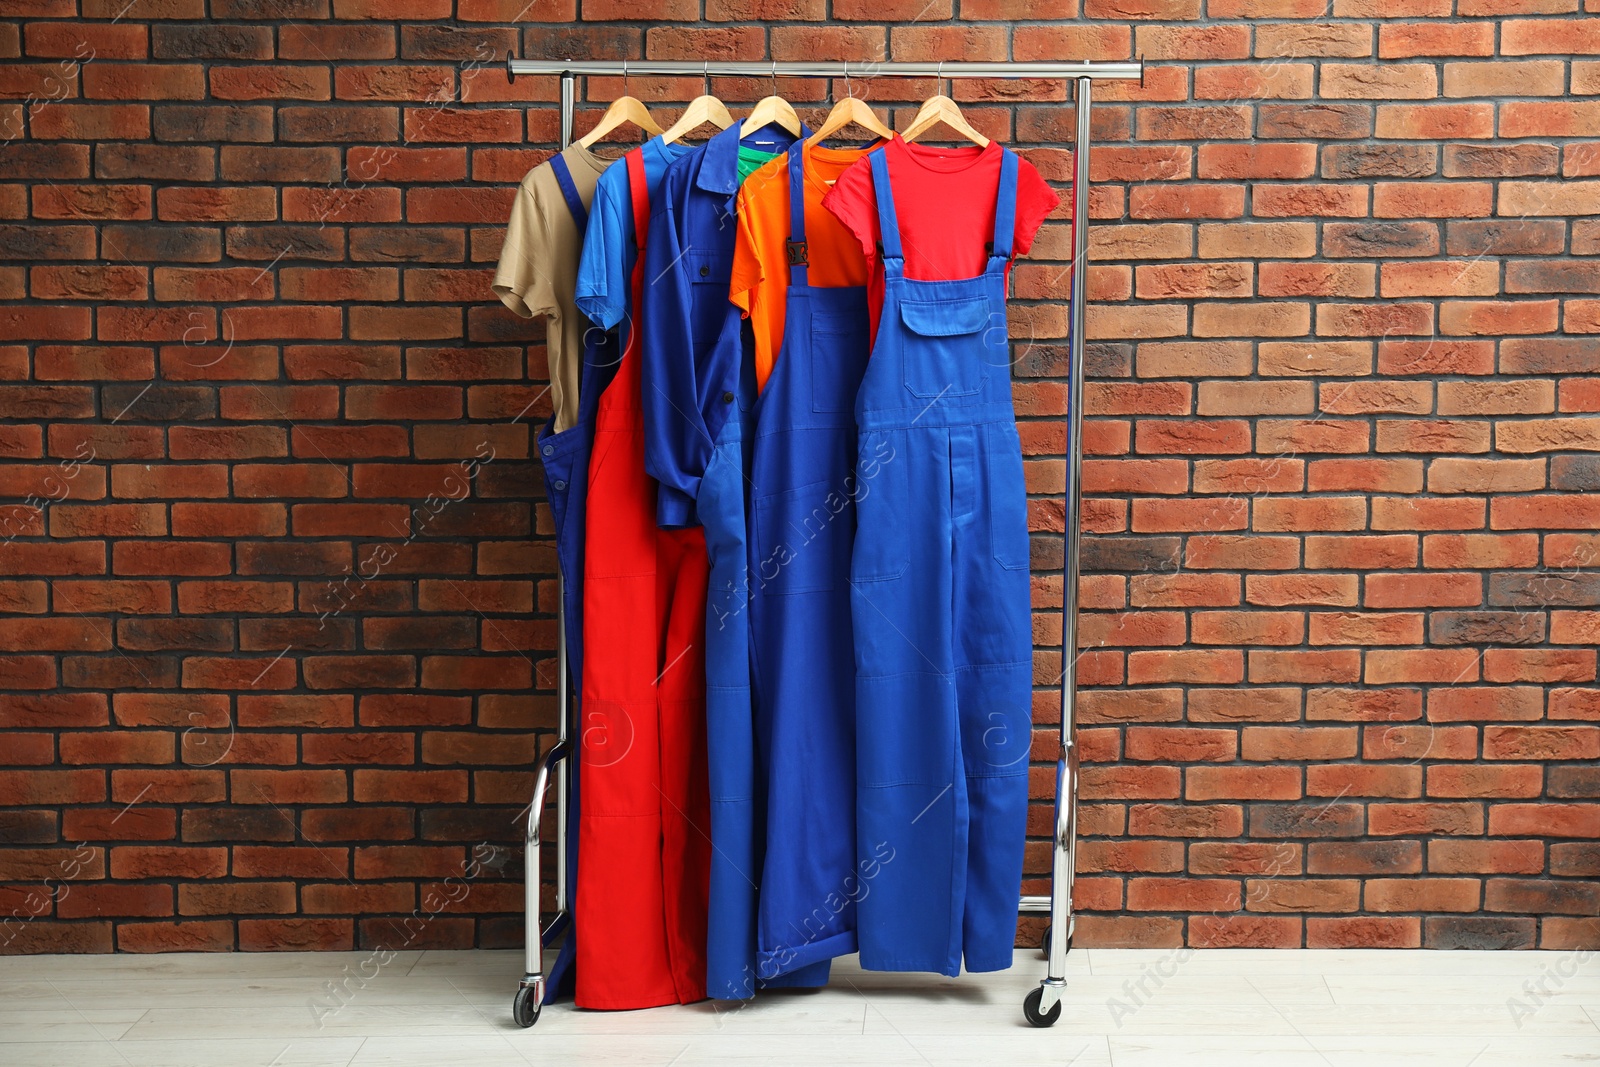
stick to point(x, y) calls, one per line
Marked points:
point(644, 823)
point(683, 570)
point(644, 816)
point(623, 956)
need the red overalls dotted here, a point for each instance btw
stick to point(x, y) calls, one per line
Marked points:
point(644, 822)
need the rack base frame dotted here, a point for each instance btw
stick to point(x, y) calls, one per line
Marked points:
point(1043, 1004)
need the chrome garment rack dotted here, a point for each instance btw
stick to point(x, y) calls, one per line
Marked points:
point(1042, 1007)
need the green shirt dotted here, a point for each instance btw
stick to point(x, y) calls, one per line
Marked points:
point(751, 160)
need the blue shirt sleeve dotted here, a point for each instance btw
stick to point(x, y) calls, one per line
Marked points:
point(677, 446)
point(602, 287)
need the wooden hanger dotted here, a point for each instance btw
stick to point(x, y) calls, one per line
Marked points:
point(701, 110)
point(850, 110)
point(623, 109)
point(941, 108)
point(771, 111)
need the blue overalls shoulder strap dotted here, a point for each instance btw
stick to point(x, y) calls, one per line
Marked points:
point(1005, 211)
point(569, 191)
point(888, 223)
point(798, 255)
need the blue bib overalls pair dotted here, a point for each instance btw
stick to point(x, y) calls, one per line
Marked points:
point(803, 521)
point(942, 617)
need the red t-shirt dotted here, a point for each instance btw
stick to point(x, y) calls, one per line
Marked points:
point(944, 200)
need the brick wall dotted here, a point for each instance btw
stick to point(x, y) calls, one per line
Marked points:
point(276, 607)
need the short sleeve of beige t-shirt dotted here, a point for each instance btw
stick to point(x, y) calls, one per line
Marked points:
point(538, 269)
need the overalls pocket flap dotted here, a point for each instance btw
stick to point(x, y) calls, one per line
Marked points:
point(945, 318)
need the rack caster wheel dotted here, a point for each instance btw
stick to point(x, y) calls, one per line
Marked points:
point(1030, 1009)
point(525, 1008)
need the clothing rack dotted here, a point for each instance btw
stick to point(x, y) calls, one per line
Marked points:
point(1042, 1006)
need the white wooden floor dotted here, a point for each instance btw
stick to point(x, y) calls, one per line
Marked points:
point(1225, 1007)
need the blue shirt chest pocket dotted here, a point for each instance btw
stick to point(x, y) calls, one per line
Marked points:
point(708, 273)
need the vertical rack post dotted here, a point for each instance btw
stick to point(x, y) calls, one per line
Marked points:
point(530, 991)
point(1064, 845)
point(564, 775)
point(566, 109)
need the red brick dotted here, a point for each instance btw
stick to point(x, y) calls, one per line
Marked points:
point(1321, 513)
point(1480, 550)
point(1497, 703)
point(1363, 932)
point(1180, 745)
point(1420, 742)
point(1379, 705)
point(1300, 666)
point(1247, 628)
point(1541, 742)
point(1365, 629)
point(1195, 667)
point(1277, 436)
point(1145, 705)
point(1521, 37)
point(447, 787)
point(1242, 552)
point(1423, 590)
point(1497, 317)
point(1422, 894)
point(1485, 857)
point(1281, 590)
point(1244, 705)
point(1545, 819)
point(1357, 780)
point(206, 936)
point(1426, 818)
point(1247, 783)
point(1523, 780)
point(235, 204)
point(1386, 667)
point(93, 901)
point(1182, 894)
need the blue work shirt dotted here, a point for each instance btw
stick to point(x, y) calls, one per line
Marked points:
point(609, 248)
point(692, 338)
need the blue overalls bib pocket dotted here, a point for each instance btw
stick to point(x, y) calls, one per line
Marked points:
point(938, 351)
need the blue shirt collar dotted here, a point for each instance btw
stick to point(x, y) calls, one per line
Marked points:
point(719, 168)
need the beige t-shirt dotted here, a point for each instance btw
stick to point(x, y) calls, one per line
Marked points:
point(539, 269)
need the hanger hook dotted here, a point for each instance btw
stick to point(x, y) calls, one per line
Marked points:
point(705, 70)
point(774, 76)
point(624, 77)
point(849, 90)
point(939, 77)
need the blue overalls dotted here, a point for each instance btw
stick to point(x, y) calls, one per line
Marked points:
point(803, 519)
point(565, 457)
point(940, 598)
point(730, 726)
point(699, 394)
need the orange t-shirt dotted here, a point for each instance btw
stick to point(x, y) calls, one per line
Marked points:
point(761, 262)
